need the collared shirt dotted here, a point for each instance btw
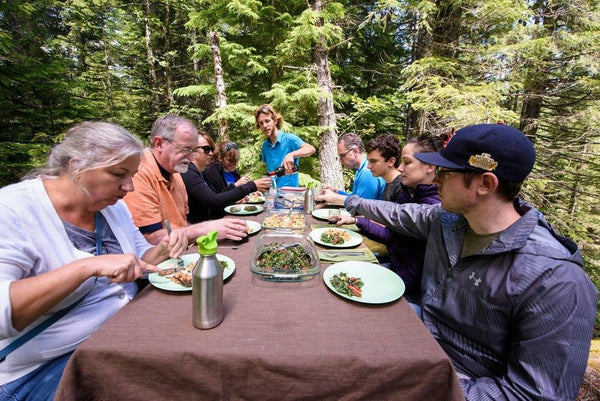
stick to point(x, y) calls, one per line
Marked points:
point(274, 153)
point(365, 185)
point(156, 198)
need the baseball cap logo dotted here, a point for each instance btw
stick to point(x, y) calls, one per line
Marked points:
point(483, 161)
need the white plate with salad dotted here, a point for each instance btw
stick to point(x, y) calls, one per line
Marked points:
point(336, 237)
point(375, 283)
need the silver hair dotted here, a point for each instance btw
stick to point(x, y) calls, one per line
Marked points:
point(165, 126)
point(352, 140)
point(87, 146)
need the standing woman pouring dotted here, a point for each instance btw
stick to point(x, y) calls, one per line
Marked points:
point(72, 249)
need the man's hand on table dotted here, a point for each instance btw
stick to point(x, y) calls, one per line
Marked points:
point(228, 228)
point(331, 197)
point(341, 220)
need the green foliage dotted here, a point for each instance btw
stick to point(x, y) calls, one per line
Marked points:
point(19, 158)
point(374, 116)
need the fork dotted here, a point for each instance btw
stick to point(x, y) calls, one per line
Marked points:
point(180, 264)
point(344, 253)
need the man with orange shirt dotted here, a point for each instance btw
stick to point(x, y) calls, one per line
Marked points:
point(159, 192)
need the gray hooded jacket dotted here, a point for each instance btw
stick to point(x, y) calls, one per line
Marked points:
point(516, 319)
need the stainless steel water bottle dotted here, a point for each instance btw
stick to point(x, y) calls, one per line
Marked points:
point(309, 200)
point(207, 284)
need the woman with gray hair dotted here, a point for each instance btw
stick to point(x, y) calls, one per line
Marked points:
point(72, 256)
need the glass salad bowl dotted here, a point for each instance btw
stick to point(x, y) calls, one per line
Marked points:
point(281, 256)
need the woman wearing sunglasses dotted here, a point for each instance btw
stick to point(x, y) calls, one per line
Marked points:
point(211, 187)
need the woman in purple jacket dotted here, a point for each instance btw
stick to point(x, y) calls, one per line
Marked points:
point(406, 253)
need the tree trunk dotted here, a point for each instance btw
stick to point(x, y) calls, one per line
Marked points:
point(108, 82)
point(168, 51)
point(194, 59)
point(221, 101)
point(531, 108)
point(150, 59)
point(575, 186)
point(331, 170)
point(533, 93)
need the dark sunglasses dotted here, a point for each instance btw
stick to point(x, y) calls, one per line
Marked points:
point(206, 149)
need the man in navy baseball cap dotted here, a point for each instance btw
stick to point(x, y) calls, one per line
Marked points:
point(504, 294)
point(497, 148)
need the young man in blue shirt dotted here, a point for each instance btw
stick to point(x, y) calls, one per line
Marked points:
point(280, 149)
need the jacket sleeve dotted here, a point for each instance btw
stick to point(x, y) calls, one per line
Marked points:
point(374, 231)
point(199, 192)
point(411, 219)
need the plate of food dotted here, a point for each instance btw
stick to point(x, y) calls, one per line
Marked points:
point(173, 279)
point(336, 237)
point(256, 197)
point(325, 213)
point(364, 282)
point(252, 227)
point(244, 209)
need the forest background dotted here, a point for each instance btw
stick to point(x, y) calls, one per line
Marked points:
point(403, 67)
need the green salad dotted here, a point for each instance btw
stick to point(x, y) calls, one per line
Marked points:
point(344, 284)
point(278, 258)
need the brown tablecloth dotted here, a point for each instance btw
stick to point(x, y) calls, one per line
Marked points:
point(278, 341)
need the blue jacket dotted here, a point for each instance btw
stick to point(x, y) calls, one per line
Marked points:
point(517, 319)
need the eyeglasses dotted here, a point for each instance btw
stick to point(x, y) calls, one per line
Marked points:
point(440, 173)
point(265, 110)
point(230, 145)
point(342, 155)
point(188, 151)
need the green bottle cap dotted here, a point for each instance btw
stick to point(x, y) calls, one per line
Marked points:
point(207, 244)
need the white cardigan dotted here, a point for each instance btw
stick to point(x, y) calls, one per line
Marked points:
point(34, 241)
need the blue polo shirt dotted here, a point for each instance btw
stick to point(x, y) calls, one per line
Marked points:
point(273, 154)
point(365, 185)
